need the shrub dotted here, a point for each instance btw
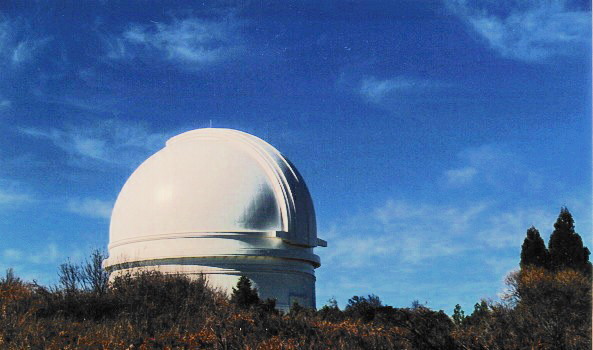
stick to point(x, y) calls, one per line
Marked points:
point(244, 295)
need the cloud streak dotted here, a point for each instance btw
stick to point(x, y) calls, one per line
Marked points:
point(9, 197)
point(460, 176)
point(378, 90)
point(529, 30)
point(194, 42)
point(91, 207)
point(410, 233)
point(13, 193)
point(17, 46)
point(106, 142)
point(492, 165)
point(35, 262)
point(4, 104)
point(49, 253)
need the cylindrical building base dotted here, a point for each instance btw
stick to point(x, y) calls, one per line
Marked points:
point(287, 281)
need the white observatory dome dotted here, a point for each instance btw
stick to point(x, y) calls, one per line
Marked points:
point(223, 203)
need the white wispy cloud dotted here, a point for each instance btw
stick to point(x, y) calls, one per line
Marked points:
point(494, 165)
point(399, 230)
point(192, 41)
point(395, 215)
point(4, 104)
point(10, 197)
point(506, 228)
point(12, 254)
point(25, 50)
point(17, 45)
point(377, 90)
point(526, 30)
point(460, 176)
point(13, 192)
point(91, 207)
point(39, 262)
point(414, 226)
point(358, 251)
point(107, 141)
point(50, 253)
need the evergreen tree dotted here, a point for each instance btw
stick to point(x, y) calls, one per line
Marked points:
point(566, 246)
point(244, 295)
point(363, 307)
point(533, 250)
point(481, 312)
point(458, 316)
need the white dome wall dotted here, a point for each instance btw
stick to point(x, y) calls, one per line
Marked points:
point(216, 201)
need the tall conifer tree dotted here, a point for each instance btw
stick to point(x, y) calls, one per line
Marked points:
point(244, 295)
point(533, 250)
point(566, 246)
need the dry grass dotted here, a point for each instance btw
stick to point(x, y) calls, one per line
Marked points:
point(154, 311)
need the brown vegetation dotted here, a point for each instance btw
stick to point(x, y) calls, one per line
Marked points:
point(154, 311)
point(543, 310)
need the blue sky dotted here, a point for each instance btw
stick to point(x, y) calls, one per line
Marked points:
point(431, 134)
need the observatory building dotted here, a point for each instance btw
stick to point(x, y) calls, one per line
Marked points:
point(222, 203)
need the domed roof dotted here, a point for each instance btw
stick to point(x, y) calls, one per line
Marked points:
point(215, 181)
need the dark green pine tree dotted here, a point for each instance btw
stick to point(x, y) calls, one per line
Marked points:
point(244, 295)
point(458, 316)
point(566, 246)
point(534, 251)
